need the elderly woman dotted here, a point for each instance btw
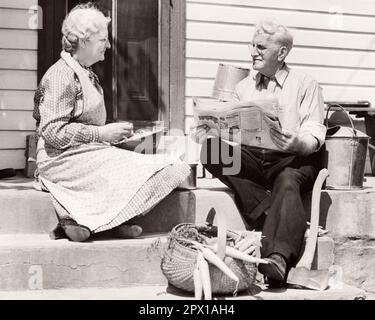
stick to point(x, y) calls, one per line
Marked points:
point(94, 186)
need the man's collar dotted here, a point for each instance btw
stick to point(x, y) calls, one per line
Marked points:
point(280, 76)
point(257, 78)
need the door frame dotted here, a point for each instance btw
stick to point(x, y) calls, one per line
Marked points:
point(172, 35)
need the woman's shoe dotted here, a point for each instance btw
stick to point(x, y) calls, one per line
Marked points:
point(127, 231)
point(74, 231)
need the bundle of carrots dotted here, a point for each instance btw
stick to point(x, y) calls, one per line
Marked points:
point(207, 248)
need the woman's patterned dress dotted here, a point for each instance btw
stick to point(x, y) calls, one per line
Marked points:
point(98, 185)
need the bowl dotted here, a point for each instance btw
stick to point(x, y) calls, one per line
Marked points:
point(146, 137)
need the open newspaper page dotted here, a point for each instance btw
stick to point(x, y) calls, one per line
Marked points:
point(244, 122)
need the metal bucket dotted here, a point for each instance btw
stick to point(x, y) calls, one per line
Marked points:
point(345, 156)
point(226, 80)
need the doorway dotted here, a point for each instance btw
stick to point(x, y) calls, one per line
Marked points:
point(131, 66)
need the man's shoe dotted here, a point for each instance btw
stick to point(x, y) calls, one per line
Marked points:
point(125, 231)
point(275, 269)
point(275, 284)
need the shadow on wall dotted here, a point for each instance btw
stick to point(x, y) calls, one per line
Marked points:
point(325, 204)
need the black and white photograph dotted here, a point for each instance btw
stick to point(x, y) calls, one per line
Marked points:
point(187, 155)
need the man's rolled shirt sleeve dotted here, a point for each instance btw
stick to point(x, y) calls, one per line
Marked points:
point(312, 112)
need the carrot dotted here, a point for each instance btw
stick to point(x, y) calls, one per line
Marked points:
point(208, 240)
point(198, 287)
point(234, 253)
point(211, 257)
point(205, 277)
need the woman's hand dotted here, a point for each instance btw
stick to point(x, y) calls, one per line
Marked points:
point(115, 132)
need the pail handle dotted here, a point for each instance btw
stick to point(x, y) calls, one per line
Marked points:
point(342, 109)
point(222, 230)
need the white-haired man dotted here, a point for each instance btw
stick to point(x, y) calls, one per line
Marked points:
point(270, 183)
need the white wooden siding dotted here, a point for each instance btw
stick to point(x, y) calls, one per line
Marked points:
point(18, 39)
point(16, 100)
point(18, 59)
point(18, 4)
point(18, 80)
point(13, 140)
point(363, 7)
point(334, 41)
point(17, 120)
point(13, 159)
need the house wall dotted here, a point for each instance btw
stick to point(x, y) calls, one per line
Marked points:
point(18, 79)
point(334, 42)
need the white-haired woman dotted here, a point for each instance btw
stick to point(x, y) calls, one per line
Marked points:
point(94, 186)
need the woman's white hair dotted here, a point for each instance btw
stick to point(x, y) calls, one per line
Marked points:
point(279, 32)
point(81, 23)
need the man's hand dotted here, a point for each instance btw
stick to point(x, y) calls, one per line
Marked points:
point(200, 134)
point(115, 132)
point(292, 142)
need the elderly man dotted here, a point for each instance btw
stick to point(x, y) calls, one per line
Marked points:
point(270, 183)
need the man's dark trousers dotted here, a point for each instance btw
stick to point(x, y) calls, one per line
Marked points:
point(268, 189)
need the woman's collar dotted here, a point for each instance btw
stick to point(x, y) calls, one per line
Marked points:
point(73, 63)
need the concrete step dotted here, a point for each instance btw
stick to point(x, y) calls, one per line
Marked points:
point(348, 213)
point(36, 262)
point(27, 211)
point(23, 209)
point(356, 256)
point(163, 292)
point(343, 213)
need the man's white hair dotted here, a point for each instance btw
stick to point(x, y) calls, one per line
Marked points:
point(81, 23)
point(277, 31)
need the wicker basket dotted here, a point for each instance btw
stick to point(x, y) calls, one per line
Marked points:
point(180, 257)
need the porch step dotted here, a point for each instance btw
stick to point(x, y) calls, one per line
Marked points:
point(165, 293)
point(348, 213)
point(36, 262)
point(356, 256)
point(24, 210)
point(343, 213)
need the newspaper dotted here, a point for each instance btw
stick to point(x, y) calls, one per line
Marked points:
point(244, 122)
